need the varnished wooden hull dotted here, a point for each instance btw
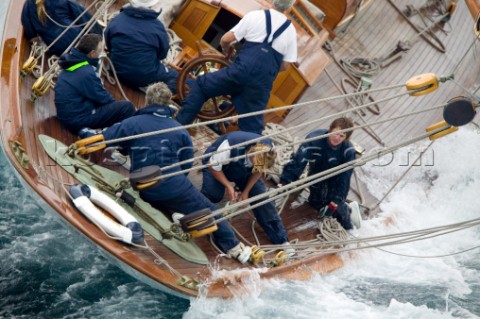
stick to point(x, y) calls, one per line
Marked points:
point(22, 122)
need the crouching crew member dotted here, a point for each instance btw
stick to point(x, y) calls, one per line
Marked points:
point(327, 196)
point(81, 99)
point(245, 173)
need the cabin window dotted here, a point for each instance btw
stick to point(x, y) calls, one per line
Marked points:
point(222, 23)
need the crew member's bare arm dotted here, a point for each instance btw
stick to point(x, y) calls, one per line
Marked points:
point(227, 41)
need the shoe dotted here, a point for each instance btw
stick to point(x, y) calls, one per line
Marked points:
point(176, 217)
point(355, 216)
point(121, 159)
point(241, 253)
point(289, 250)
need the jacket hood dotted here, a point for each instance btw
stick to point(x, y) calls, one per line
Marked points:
point(140, 13)
point(75, 57)
point(157, 110)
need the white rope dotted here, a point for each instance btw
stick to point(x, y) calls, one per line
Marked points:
point(199, 167)
point(71, 25)
point(393, 239)
point(266, 111)
point(85, 30)
point(313, 179)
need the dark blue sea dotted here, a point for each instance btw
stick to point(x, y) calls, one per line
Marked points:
point(49, 271)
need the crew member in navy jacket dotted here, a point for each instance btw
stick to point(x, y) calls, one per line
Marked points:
point(37, 16)
point(137, 42)
point(246, 174)
point(175, 193)
point(327, 196)
point(80, 97)
point(270, 46)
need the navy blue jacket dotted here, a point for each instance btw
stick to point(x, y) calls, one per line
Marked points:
point(78, 92)
point(241, 166)
point(137, 41)
point(61, 11)
point(321, 157)
point(161, 149)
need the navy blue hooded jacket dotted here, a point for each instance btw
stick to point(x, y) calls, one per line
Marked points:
point(137, 42)
point(321, 157)
point(61, 11)
point(78, 92)
point(241, 166)
point(161, 149)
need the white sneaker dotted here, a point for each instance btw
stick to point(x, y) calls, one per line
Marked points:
point(290, 251)
point(121, 159)
point(241, 253)
point(355, 216)
point(176, 217)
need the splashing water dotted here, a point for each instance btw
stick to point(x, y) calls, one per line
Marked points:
point(441, 189)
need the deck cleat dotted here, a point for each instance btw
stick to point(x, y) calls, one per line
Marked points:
point(256, 255)
point(280, 258)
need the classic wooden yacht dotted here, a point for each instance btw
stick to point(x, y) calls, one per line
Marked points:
point(346, 48)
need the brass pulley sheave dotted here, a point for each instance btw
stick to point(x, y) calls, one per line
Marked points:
point(41, 86)
point(28, 66)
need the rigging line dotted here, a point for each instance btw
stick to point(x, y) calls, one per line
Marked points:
point(131, 137)
point(69, 26)
point(467, 90)
point(372, 133)
point(420, 33)
point(259, 139)
point(310, 180)
point(266, 111)
point(367, 245)
point(402, 176)
point(434, 256)
point(465, 54)
point(428, 27)
point(199, 167)
point(410, 235)
point(112, 67)
point(87, 28)
point(404, 237)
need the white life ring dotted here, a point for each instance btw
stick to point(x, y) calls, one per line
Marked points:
point(85, 198)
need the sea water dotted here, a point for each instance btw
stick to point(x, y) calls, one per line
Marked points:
point(47, 271)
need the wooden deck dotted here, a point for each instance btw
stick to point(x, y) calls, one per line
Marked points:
point(370, 35)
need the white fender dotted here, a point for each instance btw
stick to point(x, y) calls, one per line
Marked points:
point(85, 197)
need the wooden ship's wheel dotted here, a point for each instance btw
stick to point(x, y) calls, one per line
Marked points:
point(214, 108)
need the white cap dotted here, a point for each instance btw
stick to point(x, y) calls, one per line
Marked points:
point(143, 3)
